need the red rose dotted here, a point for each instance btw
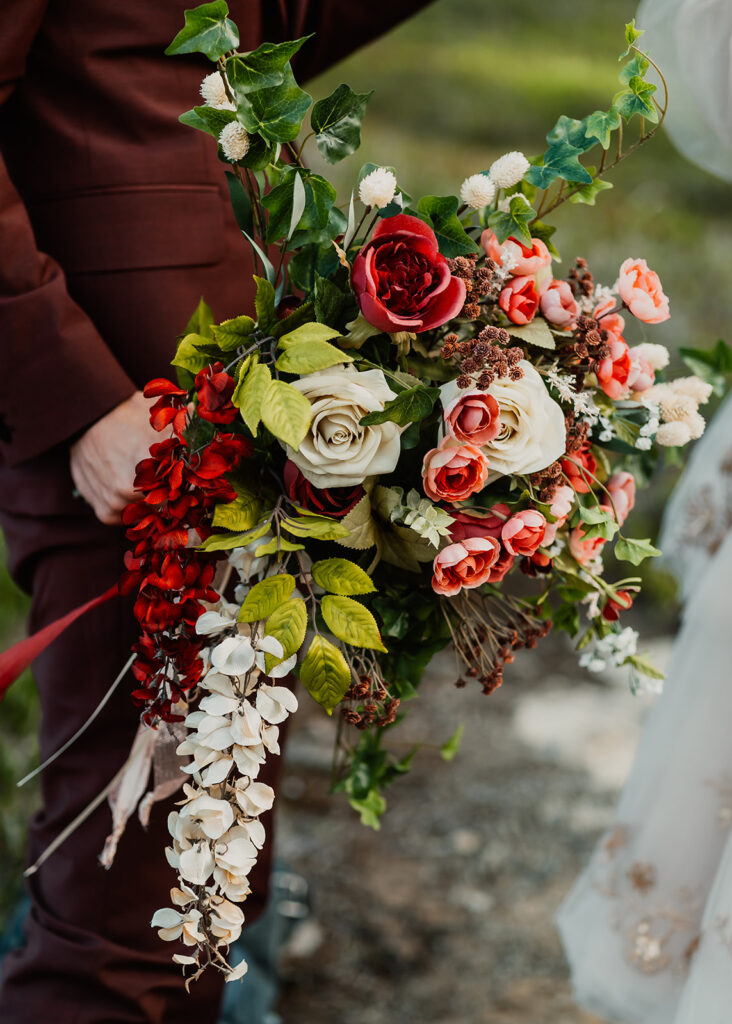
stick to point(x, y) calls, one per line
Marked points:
point(214, 388)
point(401, 280)
point(519, 300)
point(335, 502)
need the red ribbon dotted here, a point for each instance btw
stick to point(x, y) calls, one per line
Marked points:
point(17, 658)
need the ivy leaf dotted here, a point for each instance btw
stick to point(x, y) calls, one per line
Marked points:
point(637, 100)
point(288, 624)
point(536, 333)
point(263, 68)
point(207, 119)
point(639, 65)
point(286, 413)
point(264, 303)
point(230, 334)
point(341, 576)
point(410, 406)
point(598, 522)
point(449, 750)
point(440, 212)
point(635, 551)
point(325, 673)
point(545, 231)
point(515, 222)
point(310, 356)
point(336, 122)
point(600, 125)
point(329, 300)
point(265, 597)
point(206, 30)
point(351, 622)
point(560, 161)
point(588, 193)
point(370, 808)
point(631, 34)
point(277, 113)
point(312, 222)
point(572, 131)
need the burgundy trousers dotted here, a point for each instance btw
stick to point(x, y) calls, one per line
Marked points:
point(90, 956)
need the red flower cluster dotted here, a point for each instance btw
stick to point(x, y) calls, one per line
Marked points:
point(335, 502)
point(180, 488)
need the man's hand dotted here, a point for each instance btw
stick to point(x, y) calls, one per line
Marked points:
point(103, 460)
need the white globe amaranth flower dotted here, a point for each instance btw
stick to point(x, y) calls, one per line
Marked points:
point(214, 92)
point(673, 435)
point(657, 356)
point(694, 387)
point(234, 141)
point(477, 191)
point(509, 169)
point(504, 206)
point(378, 188)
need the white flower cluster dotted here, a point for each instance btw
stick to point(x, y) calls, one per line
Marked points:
point(234, 141)
point(678, 402)
point(477, 191)
point(420, 515)
point(217, 833)
point(649, 429)
point(583, 403)
point(378, 188)
point(612, 649)
point(214, 92)
point(509, 169)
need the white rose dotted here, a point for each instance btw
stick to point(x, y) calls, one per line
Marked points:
point(337, 451)
point(533, 433)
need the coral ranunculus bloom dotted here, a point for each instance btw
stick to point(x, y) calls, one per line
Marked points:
point(640, 289)
point(466, 564)
point(454, 471)
point(519, 300)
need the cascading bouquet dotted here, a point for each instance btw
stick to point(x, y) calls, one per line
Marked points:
point(420, 437)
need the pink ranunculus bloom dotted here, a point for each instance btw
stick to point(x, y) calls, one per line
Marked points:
point(621, 488)
point(640, 289)
point(528, 261)
point(613, 323)
point(642, 375)
point(613, 373)
point(559, 306)
point(524, 532)
point(519, 300)
point(453, 471)
point(492, 247)
point(562, 504)
point(473, 417)
point(466, 564)
point(582, 549)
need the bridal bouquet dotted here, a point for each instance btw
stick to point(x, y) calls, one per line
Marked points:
point(427, 432)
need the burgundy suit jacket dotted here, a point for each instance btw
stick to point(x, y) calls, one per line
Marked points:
point(114, 218)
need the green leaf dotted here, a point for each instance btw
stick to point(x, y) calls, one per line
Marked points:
point(587, 193)
point(351, 622)
point(535, 333)
point(230, 334)
point(310, 356)
point(598, 522)
point(410, 406)
point(187, 355)
point(336, 122)
point(637, 99)
point(440, 212)
point(571, 131)
point(207, 119)
point(201, 320)
point(330, 301)
point(449, 750)
point(560, 161)
point(545, 231)
point(306, 333)
point(638, 65)
point(286, 413)
point(288, 624)
point(641, 663)
point(515, 222)
point(370, 808)
point(250, 395)
point(341, 576)
point(240, 203)
point(265, 597)
point(324, 673)
point(631, 34)
point(312, 222)
point(240, 514)
point(206, 30)
point(263, 68)
point(276, 545)
point(712, 365)
point(319, 527)
point(636, 551)
point(229, 541)
point(296, 319)
point(277, 113)
point(600, 126)
point(264, 303)
point(360, 525)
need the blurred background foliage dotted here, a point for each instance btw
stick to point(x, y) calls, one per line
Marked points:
point(458, 85)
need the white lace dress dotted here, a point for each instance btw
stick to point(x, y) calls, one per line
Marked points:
point(648, 926)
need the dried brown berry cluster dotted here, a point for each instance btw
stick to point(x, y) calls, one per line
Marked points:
point(522, 635)
point(546, 482)
point(482, 359)
point(375, 705)
point(478, 282)
point(577, 434)
point(580, 279)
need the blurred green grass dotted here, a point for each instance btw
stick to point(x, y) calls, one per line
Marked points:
point(459, 84)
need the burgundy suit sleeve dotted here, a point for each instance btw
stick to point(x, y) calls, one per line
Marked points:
point(57, 375)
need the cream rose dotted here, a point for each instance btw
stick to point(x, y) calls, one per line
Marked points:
point(338, 451)
point(532, 433)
